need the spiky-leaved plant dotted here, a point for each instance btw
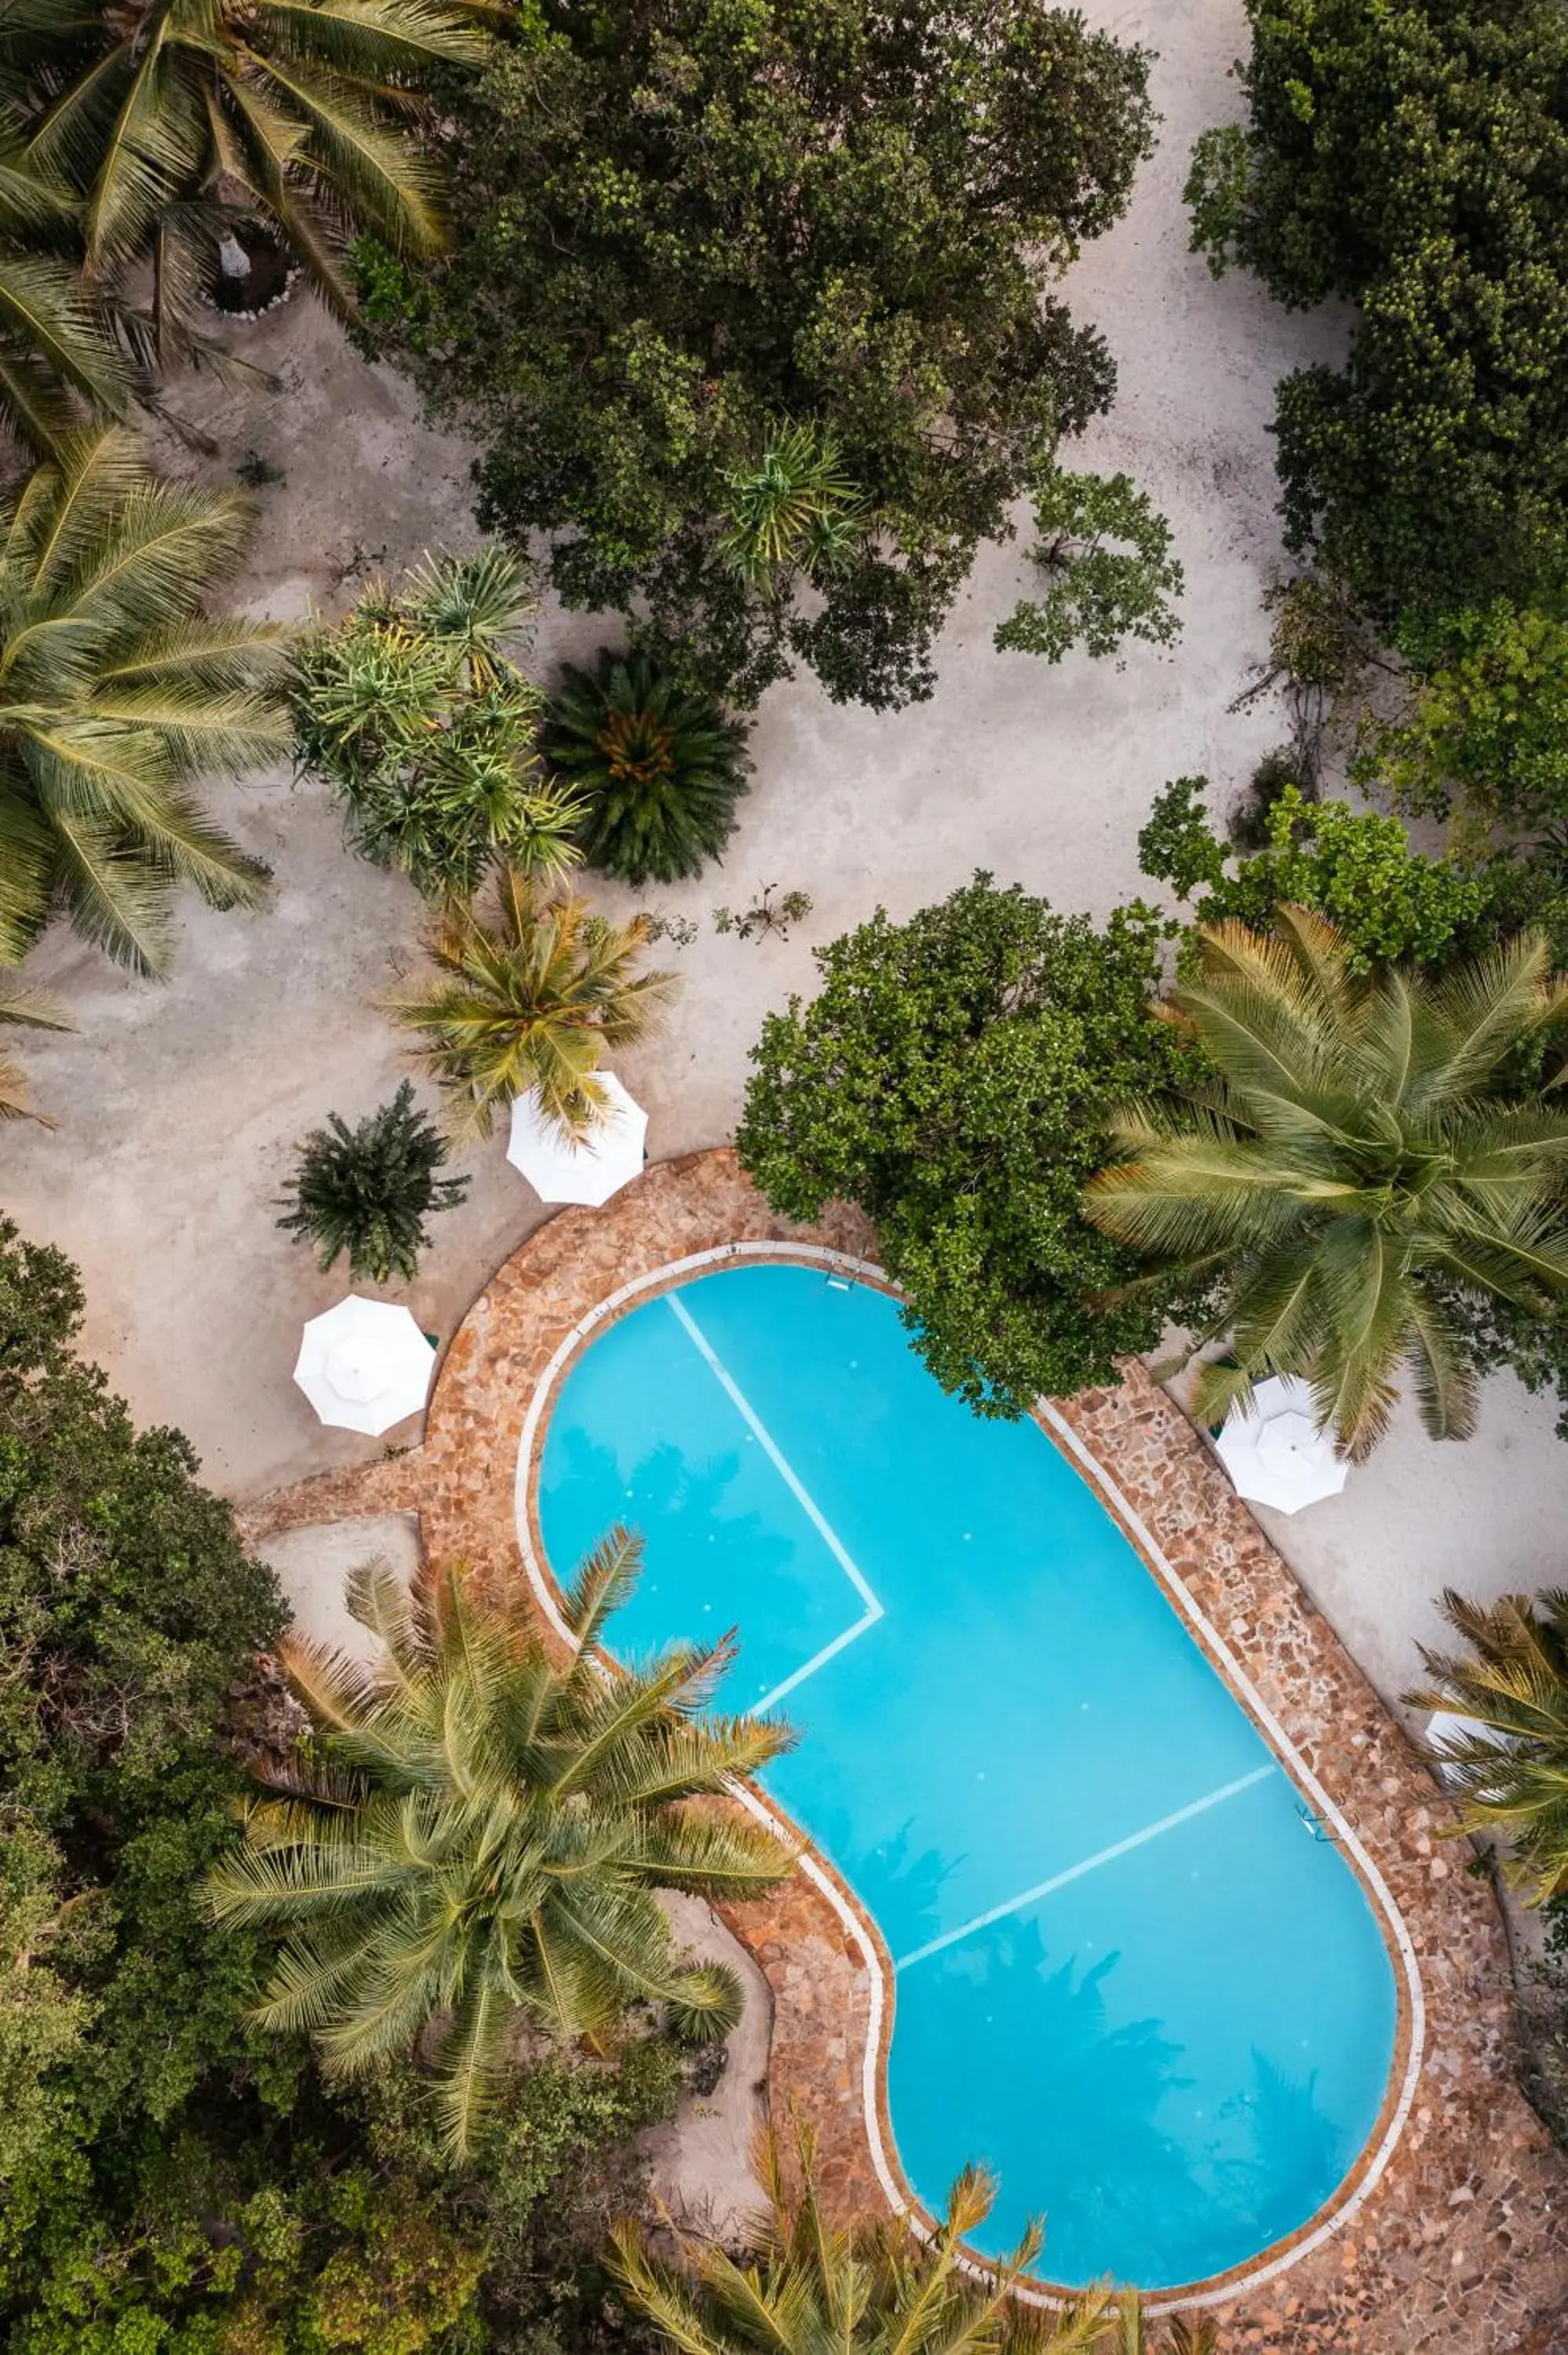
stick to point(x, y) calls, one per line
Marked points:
point(367, 1190)
point(475, 1840)
point(794, 509)
point(655, 764)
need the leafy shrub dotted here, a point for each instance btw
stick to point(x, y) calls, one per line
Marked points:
point(414, 713)
point(683, 234)
point(952, 1078)
point(1106, 551)
point(1488, 725)
point(654, 765)
point(367, 1190)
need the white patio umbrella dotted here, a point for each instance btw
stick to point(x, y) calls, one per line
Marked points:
point(365, 1365)
point(564, 1168)
point(1277, 1455)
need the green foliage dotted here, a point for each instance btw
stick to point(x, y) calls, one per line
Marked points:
point(1098, 595)
point(1511, 1773)
point(1352, 866)
point(1361, 1148)
point(1487, 727)
point(1414, 158)
point(118, 694)
point(367, 1190)
point(414, 714)
point(746, 304)
point(653, 764)
point(475, 1838)
point(955, 1078)
point(57, 353)
point(528, 998)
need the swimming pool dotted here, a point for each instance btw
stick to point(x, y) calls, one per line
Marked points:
point(1132, 1972)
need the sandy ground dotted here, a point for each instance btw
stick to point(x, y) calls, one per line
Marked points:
point(180, 1105)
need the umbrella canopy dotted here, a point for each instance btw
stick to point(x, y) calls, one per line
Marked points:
point(1277, 1455)
point(365, 1365)
point(561, 1168)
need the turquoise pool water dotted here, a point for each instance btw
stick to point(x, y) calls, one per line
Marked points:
point(1128, 1975)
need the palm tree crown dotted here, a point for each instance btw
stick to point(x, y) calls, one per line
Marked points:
point(529, 1000)
point(58, 355)
point(116, 693)
point(807, 2287)
point(1359, 1146)
point(1511, 1771)
point(477, 1835)
point(165, 115)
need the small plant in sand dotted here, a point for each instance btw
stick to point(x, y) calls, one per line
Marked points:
point(654, 763)
point(368, 1190)
point(772, 910)
point(529, 997)
point(1105, 551)
point(475, 1840)
point(415, 715)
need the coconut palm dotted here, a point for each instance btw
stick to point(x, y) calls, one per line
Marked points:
point(58, 354)
point(476, 1838)
point(168, 117)
point(1360, 1143)
point(116, 693)
point(31, 1009)
point(1511, 1772)
point(806, 2285)
point(529, 999)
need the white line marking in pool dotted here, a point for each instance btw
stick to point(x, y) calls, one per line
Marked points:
point(1088, 1864)
point(801, 1495)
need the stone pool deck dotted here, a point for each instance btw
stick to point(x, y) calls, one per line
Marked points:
point(1461, 2244)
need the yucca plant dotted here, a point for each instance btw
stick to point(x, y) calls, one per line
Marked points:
point(1361, 1143)
point(529, 997)
point(474, 1841)
point(30, 1009)
point(655, 765)
point(117, 693)
point(794, 509)
point(168, 118)
point(368, 1190)
point(805, 2285)
point(1511, 1772)
point(414, 712)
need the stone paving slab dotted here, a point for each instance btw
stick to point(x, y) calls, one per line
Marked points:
point(1462, 2244)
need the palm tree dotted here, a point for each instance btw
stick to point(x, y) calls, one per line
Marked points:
point(794, 507)
point(116, 693)
point(529, 1000)
point(58, 354)
point(32, 1009)
point(807, 2285)
point(171, 117)
point(1359, 1144)
point(475, 1840)
point(1511, 1772)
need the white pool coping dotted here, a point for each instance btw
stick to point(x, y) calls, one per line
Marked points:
point(1367, 2171)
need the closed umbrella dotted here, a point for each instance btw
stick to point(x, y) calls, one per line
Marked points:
point(365, 1365)
point(1277, 1455)
point(562, 1167)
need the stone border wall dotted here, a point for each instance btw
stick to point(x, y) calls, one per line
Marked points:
point(1462, 2245)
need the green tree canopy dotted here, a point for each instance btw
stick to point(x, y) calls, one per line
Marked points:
point(748, 298)
point(1414, 157)
point(955, 1077)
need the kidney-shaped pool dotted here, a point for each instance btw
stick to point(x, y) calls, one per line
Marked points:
point(1133, 1971)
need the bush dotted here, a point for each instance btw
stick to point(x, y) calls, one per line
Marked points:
point(1488, 726)
point(1107, 555)
point(655, 765)
point(952, 1078)
point(368, 1190)
point(718, 265)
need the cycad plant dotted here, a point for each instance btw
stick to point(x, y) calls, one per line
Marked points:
point(806, 2285)
point(368, 1190)
point(117, 693)
point(413, 710)
point(794, 509)
point(30, 1009)
point(528, 997)
point(1361, 1144)
point(168, 117)
point(475, 1842)
point(655, 765)
point(1512, 1685)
